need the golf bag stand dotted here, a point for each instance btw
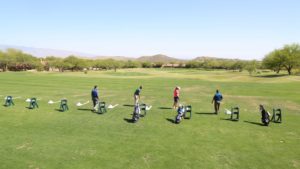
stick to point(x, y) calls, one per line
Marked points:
point(188, 109)
point(136, 113)
point(143, 109)
point(9, 101)
point(235, 111)
point(33, 103)
point(277, 116)
point(180, 114)
point(101, 107)
point(64, 105)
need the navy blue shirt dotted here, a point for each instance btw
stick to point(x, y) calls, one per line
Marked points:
point(218, 97)
point(94, 93)
point(137, 92)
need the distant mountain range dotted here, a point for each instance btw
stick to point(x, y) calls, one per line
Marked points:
point(205, 58)
point(158, 58)
point(42, 52)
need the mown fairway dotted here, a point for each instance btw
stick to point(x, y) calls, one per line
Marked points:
point(47, 138)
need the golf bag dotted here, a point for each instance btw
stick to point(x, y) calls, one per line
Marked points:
point(265, 117)
point(8, 101)
point(180, 114)
point(136, 113)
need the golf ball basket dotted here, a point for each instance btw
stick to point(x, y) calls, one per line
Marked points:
point(101, 108)
point(33, 103)
point(188, 112)
point(64, 105)
point(277, 116)
point(235, 111)
point(9, 101)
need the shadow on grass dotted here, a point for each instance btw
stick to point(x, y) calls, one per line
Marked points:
point(170, 120)
point(272, 76)
point(30, 108)
point(256, 123)
point(59, 110)
point(204, 113)
point(229, 119)
point(82, 109)
point(128, 120)
point(128, 105)
point(165, 108)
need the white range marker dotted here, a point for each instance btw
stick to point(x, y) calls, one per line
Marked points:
point(148, 107)
point(112, 106)
point(228, 111)
point(81, 104)
point(52, 102)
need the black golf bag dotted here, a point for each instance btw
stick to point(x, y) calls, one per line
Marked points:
point(136, 113)
point(180, 114)
point(265, 117)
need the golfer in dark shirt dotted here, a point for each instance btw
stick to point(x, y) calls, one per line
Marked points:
point(94, 95)
point(217, 101)
point(136, 95)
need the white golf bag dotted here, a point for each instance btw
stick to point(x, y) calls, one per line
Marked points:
point(136, 113)
point(180, 114)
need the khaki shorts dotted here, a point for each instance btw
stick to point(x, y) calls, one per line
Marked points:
point(136, 98)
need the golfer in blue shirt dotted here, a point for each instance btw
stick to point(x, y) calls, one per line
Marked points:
point(217, 100)
point(94, 95)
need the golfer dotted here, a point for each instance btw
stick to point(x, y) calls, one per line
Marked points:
point(94, 95)
point(136, 95)
point(176, 97)
point(217, 100)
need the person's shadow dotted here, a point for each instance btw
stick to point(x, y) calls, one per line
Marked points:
point(82, 109)
point(229, 119)
point(166, 108)
point(256, 123)
point(128, 105)
point(205, 113)
point(128, 120)
point(59, 110)
point(170, 120)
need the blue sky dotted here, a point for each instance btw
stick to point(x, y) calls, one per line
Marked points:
point(182, 29)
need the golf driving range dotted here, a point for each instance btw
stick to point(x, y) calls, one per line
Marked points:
point(45, 137)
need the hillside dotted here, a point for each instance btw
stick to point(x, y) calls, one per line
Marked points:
point(43, 52)
point(121, 58)
point(205, 58)
point(158, 58)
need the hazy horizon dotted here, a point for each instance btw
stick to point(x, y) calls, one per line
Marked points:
point(132, 28)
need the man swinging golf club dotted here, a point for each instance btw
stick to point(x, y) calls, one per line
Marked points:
point(217, 101)
point(94, 95)
point(136, 95)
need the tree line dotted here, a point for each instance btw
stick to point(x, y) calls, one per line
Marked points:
point(286, 58)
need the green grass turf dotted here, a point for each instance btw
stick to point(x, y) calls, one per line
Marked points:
point(47, 138)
